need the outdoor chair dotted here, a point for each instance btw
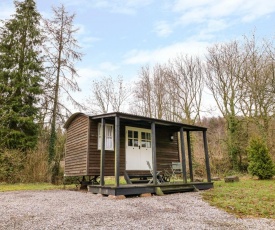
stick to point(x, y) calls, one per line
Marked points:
point(176, 168)
point(158, 176)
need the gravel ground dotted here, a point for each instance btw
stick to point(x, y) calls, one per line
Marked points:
point(63, 209)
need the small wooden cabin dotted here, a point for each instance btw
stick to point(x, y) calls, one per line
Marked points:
point(112, 143)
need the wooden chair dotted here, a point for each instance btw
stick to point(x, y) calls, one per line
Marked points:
point(159, 178)
point(176, 168)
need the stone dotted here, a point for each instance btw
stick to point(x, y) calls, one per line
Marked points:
point(145, 195)
point(198, 179)
point(231, 179)
point(119, 197)
point(99, 195)
point(215, 178)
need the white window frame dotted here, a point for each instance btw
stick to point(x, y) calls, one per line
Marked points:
point(109, 137)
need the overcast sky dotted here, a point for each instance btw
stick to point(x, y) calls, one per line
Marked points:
point(119, 36)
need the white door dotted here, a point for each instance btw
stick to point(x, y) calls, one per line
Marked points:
point(138, 148)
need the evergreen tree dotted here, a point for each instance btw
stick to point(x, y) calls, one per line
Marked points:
point(20, 77)
point(260, 162)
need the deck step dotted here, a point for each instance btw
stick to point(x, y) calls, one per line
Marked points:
point(175, 189)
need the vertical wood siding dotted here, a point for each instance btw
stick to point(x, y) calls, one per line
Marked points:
point(167, 151)
point(94, 153)
point(77, 147)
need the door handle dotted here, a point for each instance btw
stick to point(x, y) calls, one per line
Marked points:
point(139, 146)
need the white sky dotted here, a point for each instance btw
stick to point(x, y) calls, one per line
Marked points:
point(119, 36)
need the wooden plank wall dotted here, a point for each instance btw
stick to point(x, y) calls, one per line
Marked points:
point(94, 153)
point(76, 147)
point(167, 151)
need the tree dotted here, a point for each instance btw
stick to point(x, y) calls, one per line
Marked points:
point(225, 65)
point(186, 79)
point(108, 95)
point(61, 52)
point(150, 93)
point(260, 163)
point(20, 77)
point(257, 99)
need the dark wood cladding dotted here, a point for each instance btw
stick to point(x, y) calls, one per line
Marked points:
point(82, 138)
point(94, 159)
point(166, 150)
point(76, 147)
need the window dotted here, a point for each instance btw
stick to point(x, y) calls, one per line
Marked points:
point(109, 137)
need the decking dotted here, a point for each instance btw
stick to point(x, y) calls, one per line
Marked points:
point(137, 189)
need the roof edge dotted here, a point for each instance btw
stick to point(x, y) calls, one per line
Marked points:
point(72, 117)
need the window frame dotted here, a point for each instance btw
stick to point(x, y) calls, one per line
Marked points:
point(110, 138)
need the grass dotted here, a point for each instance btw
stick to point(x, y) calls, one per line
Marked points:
point(32, 186)
point(246, 198)
point(5, 187)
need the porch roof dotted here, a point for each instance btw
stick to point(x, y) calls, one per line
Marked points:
point(137, 119)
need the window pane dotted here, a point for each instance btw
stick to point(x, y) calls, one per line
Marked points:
point(136, 143)
point(135, 134)
point(130, 133)
point(130, 142)
point(148, 144)
point(148, 136)
point(109, 137)
point(143, 135)
point(143, 144)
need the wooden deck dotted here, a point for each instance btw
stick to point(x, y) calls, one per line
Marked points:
point(137, 189)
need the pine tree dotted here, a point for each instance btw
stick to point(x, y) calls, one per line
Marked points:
point(20, 77)
point(260, 162)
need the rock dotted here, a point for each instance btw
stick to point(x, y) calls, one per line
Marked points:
point(99, 195)
point(215, 179)
point(119, 197)
point(231, 179)
point(145, 195)
point(198, 179)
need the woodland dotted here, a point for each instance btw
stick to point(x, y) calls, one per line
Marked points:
point(38, 58)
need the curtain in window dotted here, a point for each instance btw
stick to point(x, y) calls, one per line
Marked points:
point(109, 143)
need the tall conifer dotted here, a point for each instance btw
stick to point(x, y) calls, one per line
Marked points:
point(20, 76)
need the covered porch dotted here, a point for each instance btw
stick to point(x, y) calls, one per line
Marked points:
point(184, 185)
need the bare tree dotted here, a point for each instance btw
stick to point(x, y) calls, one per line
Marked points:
point(143, 92)
point(258, 98)
point(108, 95)
point(150, 93)
point(186, 80)
point(61, 53)
point(223, 77)
point(171, 91)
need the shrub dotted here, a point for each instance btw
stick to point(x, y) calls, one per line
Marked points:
point(23, 166)
point(11, 165)
point(260, 163)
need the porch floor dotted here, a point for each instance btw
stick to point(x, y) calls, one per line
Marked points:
point(137, 189)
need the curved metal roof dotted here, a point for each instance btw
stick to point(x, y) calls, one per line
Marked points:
point(132, 117)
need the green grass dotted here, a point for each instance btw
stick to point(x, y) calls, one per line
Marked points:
point(5, 187)
point(246, 198)
point(32, 186)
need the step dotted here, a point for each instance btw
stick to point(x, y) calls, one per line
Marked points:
point(177, 189)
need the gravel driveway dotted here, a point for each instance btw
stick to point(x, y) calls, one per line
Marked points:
point(63, 209)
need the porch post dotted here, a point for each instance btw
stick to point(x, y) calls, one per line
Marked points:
point(183, 162)
point(206, 157)
point(102, 152)
point(154, 159)
point(190, 157)
point(117, 150)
